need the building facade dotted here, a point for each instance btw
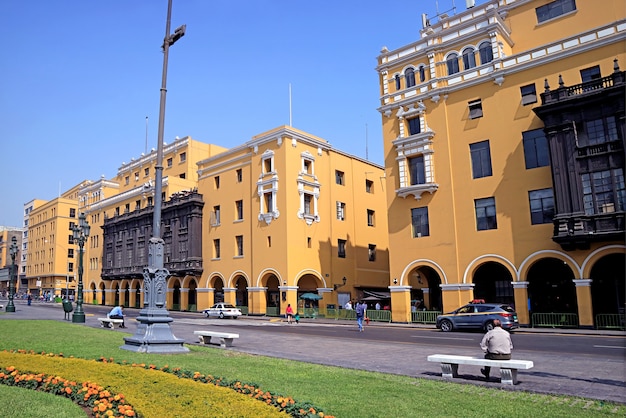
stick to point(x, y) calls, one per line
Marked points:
point(285, 214)
point(51, 253)
point(497, 189)
point(120, 212)
point(257, 225)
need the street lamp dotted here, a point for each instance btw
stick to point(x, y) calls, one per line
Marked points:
point(81, 232)
point(154, 334)
point(13, 253)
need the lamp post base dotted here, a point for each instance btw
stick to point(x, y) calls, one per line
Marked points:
point(154, 334)
point(78, 317)
point(10, 308)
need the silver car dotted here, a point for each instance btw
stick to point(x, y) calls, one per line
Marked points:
point(478, 316)
point(223, 310)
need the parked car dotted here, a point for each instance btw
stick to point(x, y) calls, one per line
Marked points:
point(478, 315)
point(222, 310)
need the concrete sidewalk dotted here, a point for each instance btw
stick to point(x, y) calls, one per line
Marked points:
point(581, 376)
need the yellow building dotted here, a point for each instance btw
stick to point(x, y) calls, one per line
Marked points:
point(115, 277)
point(28, 208)
point(51, 255)
point(286, 214)
point(473, 209)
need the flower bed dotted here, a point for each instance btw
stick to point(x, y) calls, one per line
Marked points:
point(280, 403)
point(99, 401)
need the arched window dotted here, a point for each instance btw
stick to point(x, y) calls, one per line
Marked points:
point(397, 77)
point(453, 63)
point(422, 71)
point(409, 77)
point(486, 53)
point(469, 59)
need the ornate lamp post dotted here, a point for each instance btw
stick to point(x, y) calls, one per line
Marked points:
point(154, 334)
point(13, 253)
point(81, 232)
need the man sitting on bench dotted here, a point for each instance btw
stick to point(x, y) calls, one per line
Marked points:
point(117, 313)
point(497, 345)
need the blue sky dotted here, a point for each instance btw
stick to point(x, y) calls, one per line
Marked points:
point(80, 77)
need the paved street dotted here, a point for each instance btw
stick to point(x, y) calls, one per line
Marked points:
point(584, 375)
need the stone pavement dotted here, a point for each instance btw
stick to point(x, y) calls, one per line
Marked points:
point(572, 375)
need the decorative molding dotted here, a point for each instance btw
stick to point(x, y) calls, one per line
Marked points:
point(520, 285)
point(417, 190)
point(456, 287)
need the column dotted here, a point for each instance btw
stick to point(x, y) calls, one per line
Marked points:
point(585, 306)
point(230, 295)
point(520, 290)
point(205, 297)
point(456, 295)
point(257, 300)
point(288, 295)
point(184, 299)
point(400, 304)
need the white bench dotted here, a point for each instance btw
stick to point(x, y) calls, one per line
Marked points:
point(109, 323)
point(508, 368)
point(226, 338)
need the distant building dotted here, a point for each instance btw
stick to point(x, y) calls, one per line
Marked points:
point(51, 256)
point(503, 131)
point(28, 208)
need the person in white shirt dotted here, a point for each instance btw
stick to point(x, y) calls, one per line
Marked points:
point(496, 345)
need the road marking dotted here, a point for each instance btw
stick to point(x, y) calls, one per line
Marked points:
point(444, 338)
point(609, 346)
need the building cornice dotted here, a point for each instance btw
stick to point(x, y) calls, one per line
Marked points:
point(137, 191)
point(497, 70)
point(168, 148)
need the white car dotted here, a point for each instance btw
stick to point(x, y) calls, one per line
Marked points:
point(222, 310)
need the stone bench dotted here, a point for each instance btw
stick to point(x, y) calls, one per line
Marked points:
point(508, 368)
point(225, 338)
point(109, 323)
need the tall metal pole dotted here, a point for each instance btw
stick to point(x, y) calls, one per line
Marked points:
point(154, 334)
point(156, 216)
point(13, 252)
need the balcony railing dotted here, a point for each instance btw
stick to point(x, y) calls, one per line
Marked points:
point(564, 93)
point(175, 268)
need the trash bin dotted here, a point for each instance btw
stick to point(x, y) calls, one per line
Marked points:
point(67, 308)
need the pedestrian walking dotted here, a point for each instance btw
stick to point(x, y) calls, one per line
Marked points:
point(289, 313)
point(360, 314)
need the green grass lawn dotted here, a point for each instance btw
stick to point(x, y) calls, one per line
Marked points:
point(340, 392)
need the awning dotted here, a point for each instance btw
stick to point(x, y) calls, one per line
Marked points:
point(376, 295)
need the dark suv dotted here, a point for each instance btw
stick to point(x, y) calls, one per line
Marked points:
point(478, 315)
